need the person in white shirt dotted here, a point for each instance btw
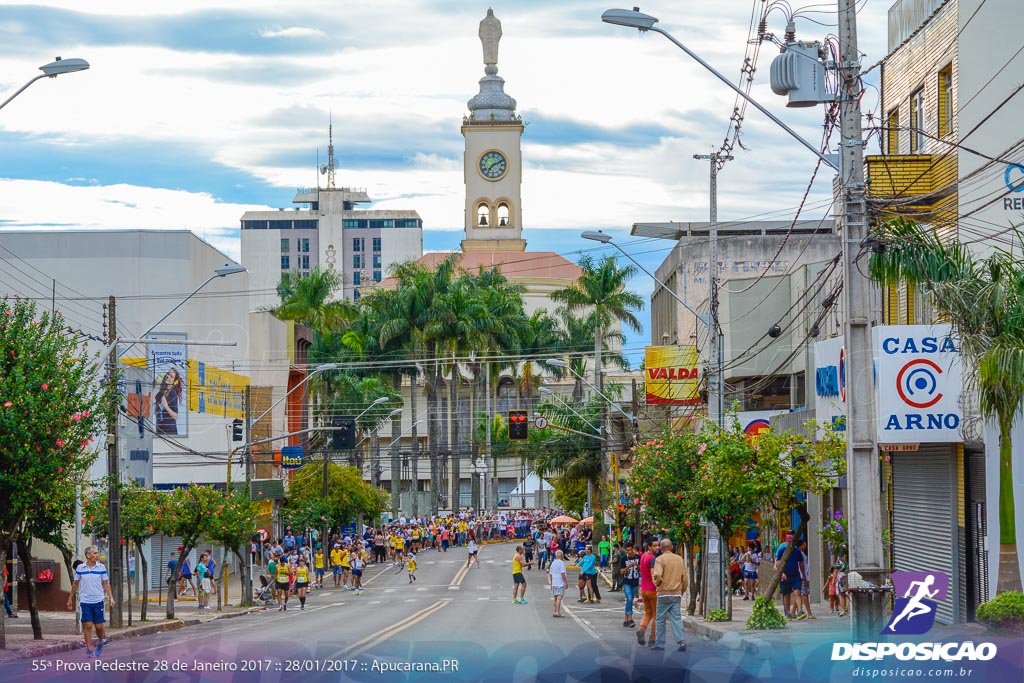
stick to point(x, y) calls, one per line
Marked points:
point(92, 583)
point(474, 553)
point(558, 580)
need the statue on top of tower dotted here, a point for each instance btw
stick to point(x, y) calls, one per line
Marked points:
point(490, 34)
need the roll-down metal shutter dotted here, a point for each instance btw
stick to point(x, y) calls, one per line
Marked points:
point(924, 517)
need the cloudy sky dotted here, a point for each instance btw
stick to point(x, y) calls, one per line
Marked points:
point(195, 111)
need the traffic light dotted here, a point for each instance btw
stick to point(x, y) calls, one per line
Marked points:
point(237, 430)
point(518, 425)
point(344, 432)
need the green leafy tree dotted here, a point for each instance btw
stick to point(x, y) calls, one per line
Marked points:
point(188, 514)
point(570, 494)
point(51, 404)
point(983, 299)
point(138, 521)
point(48, 522)
point(232, 526)
point(347, 495)
point(787, 465)
point(601, 292)
point(663, 477)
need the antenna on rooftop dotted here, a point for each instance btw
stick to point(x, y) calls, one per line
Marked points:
point(328, 168)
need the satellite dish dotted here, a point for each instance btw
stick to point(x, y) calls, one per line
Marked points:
point(323, 169)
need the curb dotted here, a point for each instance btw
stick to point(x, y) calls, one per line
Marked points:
point(52, 648)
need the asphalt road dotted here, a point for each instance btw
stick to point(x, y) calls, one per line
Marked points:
point(453, 624)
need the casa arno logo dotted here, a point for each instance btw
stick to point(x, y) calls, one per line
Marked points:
point(914, 609)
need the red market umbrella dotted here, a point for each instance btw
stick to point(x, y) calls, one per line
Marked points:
point(588, 520)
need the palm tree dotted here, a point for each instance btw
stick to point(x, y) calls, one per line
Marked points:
point(309, 299)
point(601, 290)
point(499, 329)
point(363, 342)
point(984, 301)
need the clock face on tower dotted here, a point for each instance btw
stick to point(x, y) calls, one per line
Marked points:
point(493, 165)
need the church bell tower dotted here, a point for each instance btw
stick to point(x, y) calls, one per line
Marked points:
point(493, 160)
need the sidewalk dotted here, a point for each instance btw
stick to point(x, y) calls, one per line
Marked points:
point(59, 627)
point(798, 633)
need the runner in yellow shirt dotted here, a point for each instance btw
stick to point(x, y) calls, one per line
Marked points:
point(318, 568)
point(301, 581)
point(399, 550)
point(412, 567)
point(336, 565)
point(346, 567)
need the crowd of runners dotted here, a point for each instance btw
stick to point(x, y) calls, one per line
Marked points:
point(298, 563)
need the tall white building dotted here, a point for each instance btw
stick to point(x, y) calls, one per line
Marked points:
point(328, 232)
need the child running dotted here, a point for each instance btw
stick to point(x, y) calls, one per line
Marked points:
point(412, 567)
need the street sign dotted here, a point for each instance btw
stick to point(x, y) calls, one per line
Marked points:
point(292, 457)
point(540, 422)
point(263, 535)
point(899, 447)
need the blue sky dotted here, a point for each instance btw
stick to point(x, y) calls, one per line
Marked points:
point(194, 112)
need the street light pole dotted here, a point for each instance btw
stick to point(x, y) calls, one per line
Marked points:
point(110, 356)
point(861, 446)
point(51, 70)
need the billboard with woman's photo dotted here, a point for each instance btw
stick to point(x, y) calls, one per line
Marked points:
point(170, 375)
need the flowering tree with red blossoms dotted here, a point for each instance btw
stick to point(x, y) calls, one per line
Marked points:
point(663, 478)
point(51, 405)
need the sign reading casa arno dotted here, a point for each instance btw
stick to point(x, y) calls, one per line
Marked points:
point(919, 382)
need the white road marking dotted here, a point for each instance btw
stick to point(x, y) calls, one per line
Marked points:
point(421, 589)
point(374, 602)
point(454, 588)
point(485, 598)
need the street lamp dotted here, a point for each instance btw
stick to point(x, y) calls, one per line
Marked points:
point(52, 70)
point(861, 443)
point(222, 271)
point(110, 356)
point(645, 22)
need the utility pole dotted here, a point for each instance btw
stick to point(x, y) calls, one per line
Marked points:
point(491, 499)
point(113, 473)
point(602, 489)
point(247, 564)
point(862, 466)
point(716, 383)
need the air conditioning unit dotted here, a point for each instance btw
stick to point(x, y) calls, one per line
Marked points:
point(799, 73)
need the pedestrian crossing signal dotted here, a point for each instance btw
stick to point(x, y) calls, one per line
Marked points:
point(518, 425)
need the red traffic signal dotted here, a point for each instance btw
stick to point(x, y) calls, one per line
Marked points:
point(518, 425)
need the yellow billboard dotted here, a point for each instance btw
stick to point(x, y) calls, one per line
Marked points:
point(672, 376)
point(215, 391)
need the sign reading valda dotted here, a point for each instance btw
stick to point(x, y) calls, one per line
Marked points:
point(672, 376)
point(919, 384)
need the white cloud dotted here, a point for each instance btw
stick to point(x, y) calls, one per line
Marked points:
point(394, 88)
point(293, 32)
point(120, 207)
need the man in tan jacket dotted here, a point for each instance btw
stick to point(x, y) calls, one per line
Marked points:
point(669, 576)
